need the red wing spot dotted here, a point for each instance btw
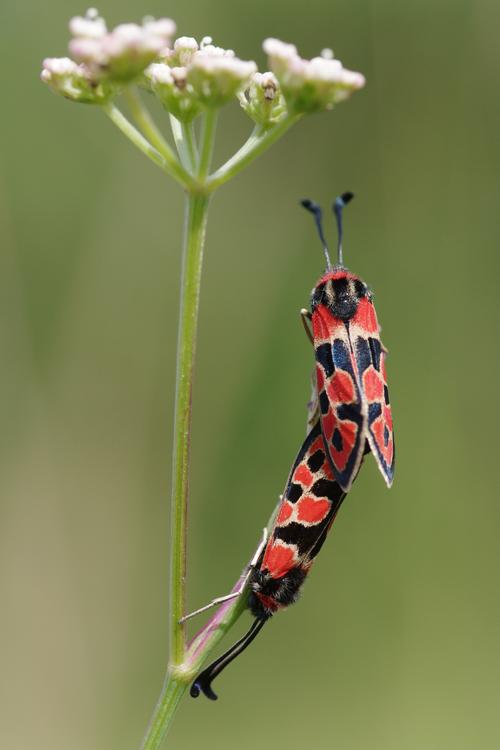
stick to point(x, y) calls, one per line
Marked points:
point(388, 416)
point(286, 511)
point(303, 475)
point(373, 386)
point(378, 433)
point(318, 445)
point(340, 389)
point(328, 423)
point(320, 378)
point(389, 452)
point(348, 431)
point(365, 316)
point(278, 559)
point(312, 510)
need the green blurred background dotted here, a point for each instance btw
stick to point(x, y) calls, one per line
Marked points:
point(394, 644)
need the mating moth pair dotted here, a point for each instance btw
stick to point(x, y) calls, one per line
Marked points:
point(350, 416)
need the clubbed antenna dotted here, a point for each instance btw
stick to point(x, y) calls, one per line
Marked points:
point(338, 205)
point(203, 682)
point(317, 213)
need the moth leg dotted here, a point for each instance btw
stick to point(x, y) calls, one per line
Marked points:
point(234, 594)
point(215, 602)
point(255, 559)
point(306, 316)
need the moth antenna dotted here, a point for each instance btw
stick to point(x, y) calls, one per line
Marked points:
point(316, 211)
point(337, 207)
point(203, 683)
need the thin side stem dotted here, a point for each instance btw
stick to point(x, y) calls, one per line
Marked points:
point(181, 144)
point(121, 122)
point(144, 120)
point(207, 142)
point(185, 141)
point(191, 145)
point(258, 142)
point(194, 238)
point(170, 166)
point(216, 628)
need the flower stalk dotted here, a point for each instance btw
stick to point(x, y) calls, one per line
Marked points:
point(194, 239)
point(258, 142)
point(207, 142)
point(147, 125)
point(167, 161)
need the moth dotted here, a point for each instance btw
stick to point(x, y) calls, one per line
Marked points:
point(351, 379)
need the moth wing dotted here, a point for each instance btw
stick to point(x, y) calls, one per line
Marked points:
point(309, 504)
point(343, 411)
point(370, 364)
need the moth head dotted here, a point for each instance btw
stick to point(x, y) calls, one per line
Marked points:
point(341, 292)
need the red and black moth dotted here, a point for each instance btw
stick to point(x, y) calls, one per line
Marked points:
point(350, 415)
point(355, 412)
point(307, 510)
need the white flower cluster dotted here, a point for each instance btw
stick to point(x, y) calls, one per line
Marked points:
point(310, 85)
point(263, 100)
point(106, 59)
point(71, 80)
point(123, 53)
point(193, 76)
point(188, 77)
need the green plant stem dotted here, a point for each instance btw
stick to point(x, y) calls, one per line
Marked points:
point(167, 161)
point(185, 143)
point(207, 142)
point(190, 140)
point(172, 692)
point(194, 238)
point(258, 142)
point(144, 120)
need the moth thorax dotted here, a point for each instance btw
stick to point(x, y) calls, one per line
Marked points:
point(341, 296)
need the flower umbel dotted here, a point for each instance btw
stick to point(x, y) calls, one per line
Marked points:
point(310, 85)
